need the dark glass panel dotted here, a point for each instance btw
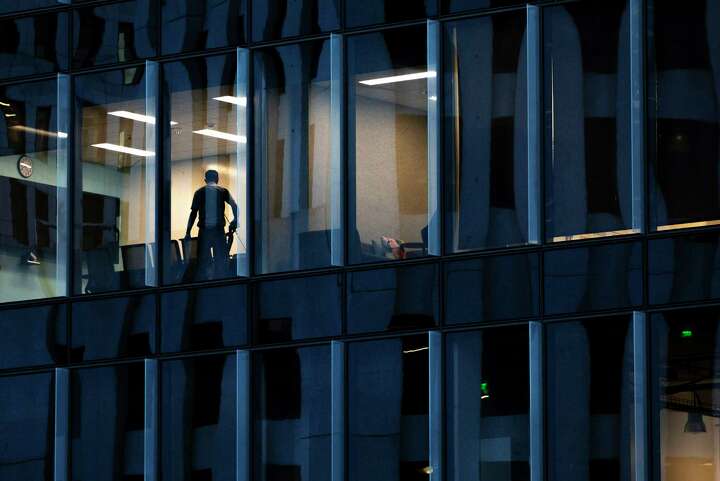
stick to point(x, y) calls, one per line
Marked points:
point(33, 45)
point(33, 336)
point(491, 288)
point(292, 414)
point(205, 318)
point(592, 278)
point(273, 19)
point(454, 6)
point(190, 25)
point(388, 409)
point(590, 399)
point(8, 6)
point(367, 12)
point(488, 402)
point(393, 299)
point(486, 141)
point(198, 419)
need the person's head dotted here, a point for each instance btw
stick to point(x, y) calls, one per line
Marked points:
point(212, 176)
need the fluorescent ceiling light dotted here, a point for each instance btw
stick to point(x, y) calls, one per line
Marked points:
point(241, 101)
point(31, 130)
point(137, 117)
point(241, 139)
point(399, 78)
point(124, 150)
point(10, 115)
point(4, 104)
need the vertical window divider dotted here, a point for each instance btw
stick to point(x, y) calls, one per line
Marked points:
point(637, 113)
point(537, 402)
point(62, 220)
point(62, 424)
point(243, 425)
point(337, 148)
point(640, 398)
point(534, 125)
point(434, 144)
point(242, 158)
point(152, 89)
point(150, 447)
point(337, 409)
point(436, 446)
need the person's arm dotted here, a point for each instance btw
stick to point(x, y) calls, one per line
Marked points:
point(234, 207)
point(193, 215)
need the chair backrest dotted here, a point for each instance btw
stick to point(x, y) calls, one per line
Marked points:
point(133, 256)
point(175, 252)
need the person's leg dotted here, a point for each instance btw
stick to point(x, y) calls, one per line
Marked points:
point(220, 253)
point(204, 256)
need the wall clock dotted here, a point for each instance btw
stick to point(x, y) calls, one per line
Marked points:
point(25, 166)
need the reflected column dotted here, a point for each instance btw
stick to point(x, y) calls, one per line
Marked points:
point(62, 221)
point(434, 144)
point(242, 159)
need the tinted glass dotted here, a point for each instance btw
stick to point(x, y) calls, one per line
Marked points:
point(488, 399)
point(107, 420)
point(684, 136)
point(388, 409)
point(27, 427)
point(587, 96)
point(202, 24)
point(452, 6)
point(120, 32)
point(486, 141)
point(298, 308)
point(292, 414)
point(491, 288)
point(292, 151)
point(590, 278)
point(274, 19)
point(590, 399)
point(33, 45)
point(387, 150)
point(33, 336)
point(8, 6)
point(198, 419)
point(204, 318)
point(113, 328)
point(392, 299)
point(361, 12)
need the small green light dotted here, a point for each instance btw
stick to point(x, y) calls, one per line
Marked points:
point(686, 333)
point(484, 387)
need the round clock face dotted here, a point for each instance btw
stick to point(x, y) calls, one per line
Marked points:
point(25, 166)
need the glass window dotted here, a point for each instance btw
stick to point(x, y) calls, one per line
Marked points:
point(273, 19)
point(684, 133)
point(298, 308)
point(388, 409)
point(31, 173)
point(113, 180)
point(292, 414)
point(33, 336)
point(33, 45)
point(362, 12)
point(488, 403)
point(492, 288)
point(587, 137)
point(391, 299)
point(107, 422)
point(292, 145)
point(454, 6)
point(486, 141)
point(205, 187)
point(202, 24)
point(206, 318)
point(119, 32)
point(387, 128)
point(197, 419)
point(118, 327)
point(592, 278)
point(590, 399)
point(8, 6)
point(27, 427)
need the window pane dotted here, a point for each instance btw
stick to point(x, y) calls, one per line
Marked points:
point(292, 414)
point(111, 174)
point(592, 278)
point(684, 137)
point(33, 336)
point(364, 12)
point(120, 32)
point(107, 416)
point(492, 288)
point(8, 6)
point(486, 141)
point(590, 399)
point(113, 328)
point(202, 24)
point(292, 115)
point(204, 318)
point(28, 191)
point(388, 409)
point(393, 299)
point(453, 6)
point(33, 45)
point(273, 19)
point(488, 402)
point(587, 78)
point(388, 144)
point(198, 419)
point(298, 308)
point(206, 190)
point(27, 427)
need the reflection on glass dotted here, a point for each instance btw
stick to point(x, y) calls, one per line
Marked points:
point(292, 145)
point(33, 336)
point(107, 420)
point(273, 19)
point(684, 131)
point(202, 24)
point(387, 127)
point(366, 12)
point(292, 414)
point(197, 419)
point(205, 194)
point(486, 144)
point(32, 45)
point(388, 409)
point(488, 402)
point(590, 399)
point(453, 6)
point(7, 6)
point(587, 79)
